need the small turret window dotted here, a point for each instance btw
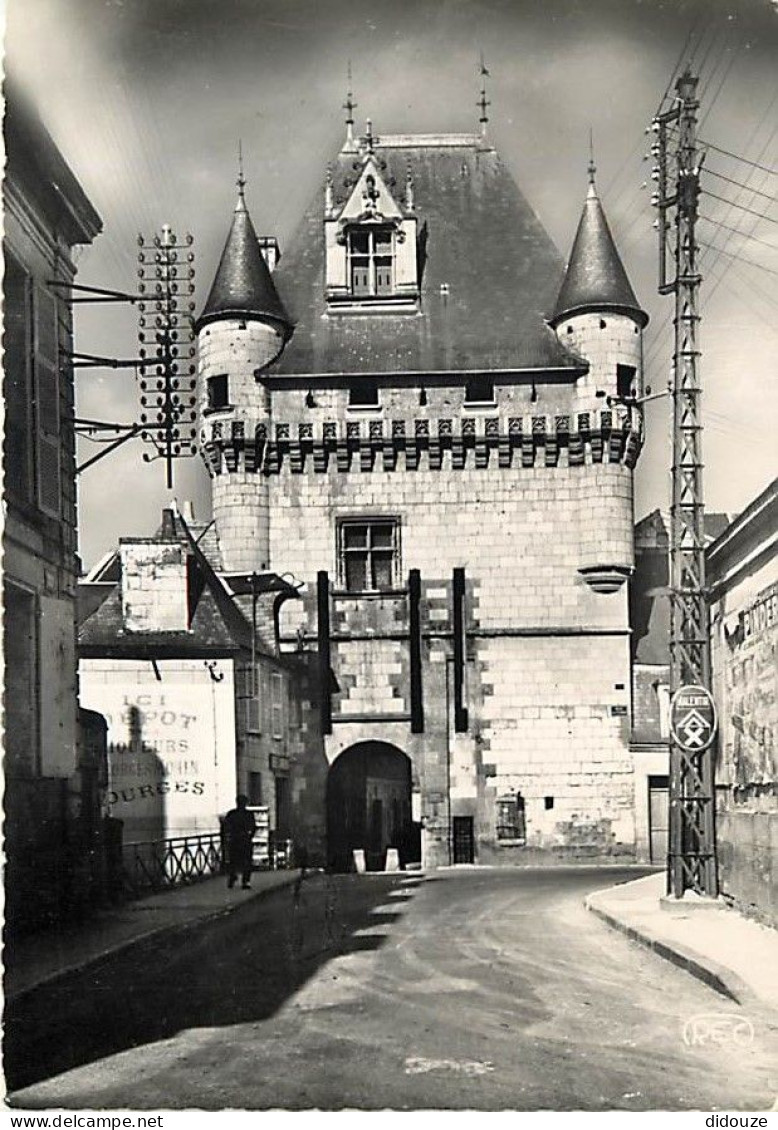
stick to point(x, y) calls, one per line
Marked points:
point(625, 381)
point(218, 391)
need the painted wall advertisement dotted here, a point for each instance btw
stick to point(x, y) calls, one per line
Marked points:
point(171, 743)
point(750, 722)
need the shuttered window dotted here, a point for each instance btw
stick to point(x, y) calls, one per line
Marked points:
point(17, 383)
point(47, 413)
point(277, 704)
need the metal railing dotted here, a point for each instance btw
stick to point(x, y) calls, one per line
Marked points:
point(159, 864)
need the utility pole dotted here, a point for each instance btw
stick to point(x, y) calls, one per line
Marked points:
point(167, 374)
point(691, 864)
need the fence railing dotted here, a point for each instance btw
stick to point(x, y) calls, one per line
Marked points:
point(159, 864)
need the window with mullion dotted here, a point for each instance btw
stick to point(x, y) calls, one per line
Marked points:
point(369, 555)
point(371, 259)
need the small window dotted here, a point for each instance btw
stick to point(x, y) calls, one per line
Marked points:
point(479, 390)
point(218, 390)
point(511, 824)
point(277, 705)
point(548, 802)
point(255, 788)
point(369, 555)
point(364, 394)
point(625, 381)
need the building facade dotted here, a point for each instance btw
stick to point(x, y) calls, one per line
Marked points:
point(52, 758)
point(411, 415)
point(196, 711)
point(742, 574)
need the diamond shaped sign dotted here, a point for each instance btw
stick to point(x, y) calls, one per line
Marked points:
point(692, 718)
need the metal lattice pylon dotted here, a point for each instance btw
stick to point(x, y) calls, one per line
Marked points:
point(692, 851)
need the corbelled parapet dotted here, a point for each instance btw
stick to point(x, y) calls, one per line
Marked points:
point(612, 436)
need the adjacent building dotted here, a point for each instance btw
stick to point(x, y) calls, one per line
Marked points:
point(52, 755)
point(198, 701)
point(411, 415)
point(742, 575)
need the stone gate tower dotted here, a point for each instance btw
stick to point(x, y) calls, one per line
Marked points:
point(439, 439)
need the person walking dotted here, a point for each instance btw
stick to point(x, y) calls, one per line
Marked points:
point(239, 828)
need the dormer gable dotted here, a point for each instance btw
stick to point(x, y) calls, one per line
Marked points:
point(371, 201)
point(370, 233)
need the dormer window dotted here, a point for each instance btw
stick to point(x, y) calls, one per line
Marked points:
point(371, 244)
point(371, 261)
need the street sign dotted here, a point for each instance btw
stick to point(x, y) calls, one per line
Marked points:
point(692, 718)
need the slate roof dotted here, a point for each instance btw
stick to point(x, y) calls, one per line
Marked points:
point(243, 286)
point(217, 626)
point(478, 235)
point(595, 278)
point(103, 634)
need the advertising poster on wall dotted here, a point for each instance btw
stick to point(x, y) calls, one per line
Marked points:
point(171, 743)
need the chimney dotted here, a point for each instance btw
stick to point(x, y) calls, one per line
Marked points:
point(154, 581)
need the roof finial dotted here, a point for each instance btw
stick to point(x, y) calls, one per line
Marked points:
point(349, 106)
point(483, 102)
point(241, 181)
point(409, 202)
point(328, 196)
point(592, 167)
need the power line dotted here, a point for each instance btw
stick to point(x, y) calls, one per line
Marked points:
point(739, 231)
point(740, 258)
point(737, 157)
point(742, 207)
point(755, 191)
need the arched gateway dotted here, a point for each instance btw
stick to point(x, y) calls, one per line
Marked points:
point(369, 807)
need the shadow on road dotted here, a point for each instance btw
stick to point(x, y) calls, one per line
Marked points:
point(233, 970)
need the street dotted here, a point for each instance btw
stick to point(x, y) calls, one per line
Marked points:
point(480, 989)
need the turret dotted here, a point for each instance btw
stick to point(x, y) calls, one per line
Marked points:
point(243, 328)
point(598, 316)
point(597, 313)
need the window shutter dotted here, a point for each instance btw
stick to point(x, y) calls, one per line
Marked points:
point(47, 402)
point(277, 708)
point(17, 342)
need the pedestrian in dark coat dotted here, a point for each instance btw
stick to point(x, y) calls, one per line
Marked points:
point(239, 827)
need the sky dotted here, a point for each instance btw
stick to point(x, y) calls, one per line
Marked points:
point(147, 99)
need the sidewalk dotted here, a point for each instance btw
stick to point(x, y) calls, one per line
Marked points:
point(30, 961)
point(733, 954)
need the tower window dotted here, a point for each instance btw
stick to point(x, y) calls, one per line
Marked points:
point(625, 381)
point(364, 394)
point(371, 261)
point(511, 824)
point(218, 391)
point(479, 390)
point(369, 554)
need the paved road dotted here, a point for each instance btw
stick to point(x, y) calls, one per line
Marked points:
point(467, 989)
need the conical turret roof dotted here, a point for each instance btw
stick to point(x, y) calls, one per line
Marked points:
point(243, 286)
point(595, 278)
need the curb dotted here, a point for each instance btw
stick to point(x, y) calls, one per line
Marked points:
point(711, 973)
point(147, 935)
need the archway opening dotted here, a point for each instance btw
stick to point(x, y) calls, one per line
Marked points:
point(369, 807)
